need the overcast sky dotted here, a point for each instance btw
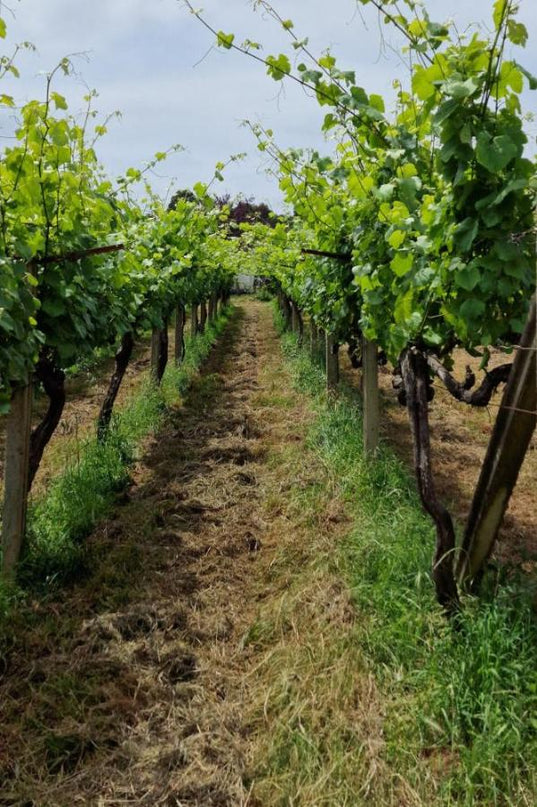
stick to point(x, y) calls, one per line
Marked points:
point(155, 63)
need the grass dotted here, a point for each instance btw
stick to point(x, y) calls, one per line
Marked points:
point(459, 723)
point(60, 520)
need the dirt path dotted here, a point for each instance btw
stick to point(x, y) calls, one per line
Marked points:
point(132, 688)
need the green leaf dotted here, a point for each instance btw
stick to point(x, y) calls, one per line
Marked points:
point(495, 153)
point(460, 89)
point(53, 307)
point(402, 263)
point(403, 307)
point(465, 234)
point(396, 239)
point(225, 40)
point(278, 67)
point(517, 33)
point(498, 12)
point(531, 79)
point(468, 277)
point(472, 309)
point(59, 100)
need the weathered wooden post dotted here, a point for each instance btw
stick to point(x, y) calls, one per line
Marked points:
point(203, 316)
point(371, 400)
point(17, 459)
point(314, 340)
point(159, 352)
point(179, 348)
point(194, 320)
point(155, 352)
point(507, 448)
point(295, 325)
point(321, 347)
point(212, 313)
point(332, 363)
point(286, 312)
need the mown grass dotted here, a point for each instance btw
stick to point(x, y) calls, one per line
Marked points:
point(460, 707)
point(60, 520)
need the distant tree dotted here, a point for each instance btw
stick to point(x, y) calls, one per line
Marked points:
point(246, 211)
point(185, 193)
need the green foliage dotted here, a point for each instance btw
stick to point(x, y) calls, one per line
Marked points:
point(433, 207)
point(61, 293)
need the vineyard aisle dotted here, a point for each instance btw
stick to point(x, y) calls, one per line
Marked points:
point(152, 681)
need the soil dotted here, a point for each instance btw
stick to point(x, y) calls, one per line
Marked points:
point(133, 686)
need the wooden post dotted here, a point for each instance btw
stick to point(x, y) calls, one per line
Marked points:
point(371, 397)
point(179, 349)
point(295, 324)
point(507, 448)
point(203, 315)
point(287, 312)
point(314, 340)
point(321, 346)
point(332, 363)
point(155, 353)
point(194, 320)
point(18, 429)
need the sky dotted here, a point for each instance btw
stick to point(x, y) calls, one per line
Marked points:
point(154, 62)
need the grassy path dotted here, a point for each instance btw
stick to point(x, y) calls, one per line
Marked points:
point(146, 683)
point(259, 628)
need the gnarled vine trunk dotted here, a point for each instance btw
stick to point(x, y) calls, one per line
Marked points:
point(415, 378)
point(53, 381)
point(286, 311)
point(122, 359)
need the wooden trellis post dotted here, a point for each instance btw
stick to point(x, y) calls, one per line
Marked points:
point(212, 306)
point(371, 401)
point(159, 352)
point(332, 363)
point(203, 315)
point(18, 430)
point(180, 316)
point(314, 340)
point(155, 351)
point(507, 448)
point(295, 322)
point(194, 320)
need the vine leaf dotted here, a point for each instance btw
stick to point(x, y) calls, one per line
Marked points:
point(495, 153)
